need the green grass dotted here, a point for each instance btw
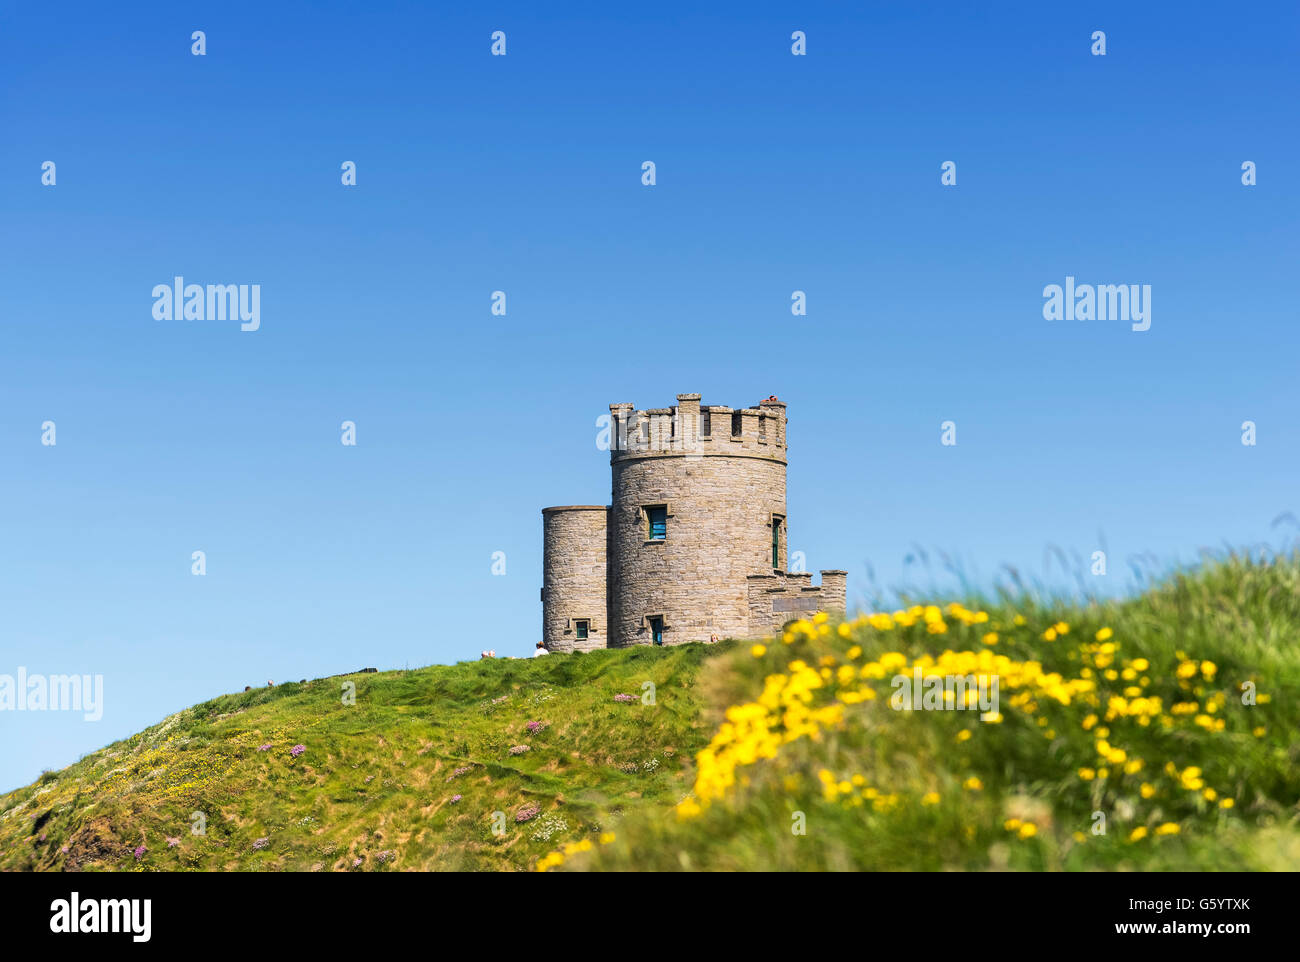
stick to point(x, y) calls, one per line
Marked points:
point(374, 781)
point(1241, 616)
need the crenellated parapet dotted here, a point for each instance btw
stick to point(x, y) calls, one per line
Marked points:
point(783, 596)
point(690, 429)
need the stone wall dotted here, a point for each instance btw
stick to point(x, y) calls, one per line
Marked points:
point(774, 599)
point(574, 571)
point(835, 590)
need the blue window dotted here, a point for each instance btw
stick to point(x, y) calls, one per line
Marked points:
point(657, 630)
point(581, 627)
point(658, 518)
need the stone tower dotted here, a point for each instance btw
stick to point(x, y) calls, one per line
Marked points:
point(574, 576)
point(694, 542)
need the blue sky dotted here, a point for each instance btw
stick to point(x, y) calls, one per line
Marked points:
point(522, 173)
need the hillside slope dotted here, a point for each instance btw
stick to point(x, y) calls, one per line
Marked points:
point(1159, 732)
point(407, 778)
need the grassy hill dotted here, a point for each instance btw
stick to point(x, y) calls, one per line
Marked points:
point(1169, 720)
point(407, 778)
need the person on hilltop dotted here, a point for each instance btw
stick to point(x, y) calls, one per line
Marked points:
point(540, 650)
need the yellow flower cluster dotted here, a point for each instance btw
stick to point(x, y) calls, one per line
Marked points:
point(803, 628)
point(782, 714)
point(568, 850)
point(1166, 828)
point(812, 694)
point(931, 616)
point(1054, 632)
point(854, 791)
point(1023, 829)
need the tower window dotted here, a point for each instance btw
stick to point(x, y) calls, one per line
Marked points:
point(706, 424)
point(776, 541)
point(657, 522)
point(656, 629)
point(580, 628)
point(737, 422)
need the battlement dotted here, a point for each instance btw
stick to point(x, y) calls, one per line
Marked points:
point(690, 429)
point(783, 596)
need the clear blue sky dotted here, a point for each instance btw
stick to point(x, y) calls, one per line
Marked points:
point(523, 174)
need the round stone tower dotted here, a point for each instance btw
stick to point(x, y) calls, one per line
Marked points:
point(574, 569)
point(698, 506)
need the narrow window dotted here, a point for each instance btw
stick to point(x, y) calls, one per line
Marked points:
point(736, 422)
point(762, 428)
point(657, 518)
point(580, 627)
point(657, 630)
point(706, 424)
point(776, 542)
